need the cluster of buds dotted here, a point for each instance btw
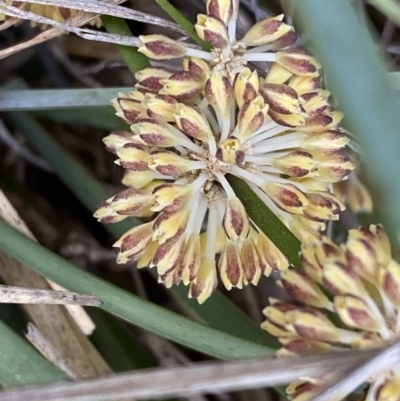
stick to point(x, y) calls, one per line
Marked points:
point(58, 14)
point(191, 129)
point(359, 282)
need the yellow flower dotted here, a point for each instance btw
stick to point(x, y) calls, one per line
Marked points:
point(361, 284)
point(193, 128)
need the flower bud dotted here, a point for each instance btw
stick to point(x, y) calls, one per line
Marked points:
point(169, 255)
point(219, 93)
point(301, 287)
point(281, 99)
point(116, 140)
point(149, 78)
point(131, 202)
point(305, 229)
point(197, 66)
point(133, 242)
point(231, 151)
point(128, 109)
point(277, 75)
point(297, 163)
point(270, 256)
point(302, 346)
point(388, 278)
point(161, 107)
point(266, 31)
point(230, 266)
point(354, 312)
point(168, 163)
point(220, 9)
point(295, 120)
point(315, 103)
point(298, 62)
point(221, 240)
point(251, 116)
point(133, 157)
point(303, 85)
point(285, 41)
point(154, 133)
point(323, 206)
point(192, 121)
point(246, 86)
point(389, 390)
point(106, 213)
point(334, 167)
point(212, 30)
point(191, 259)
point(236, 222)
point(160, 47)
point(328, 120)
point(302, 391)
point(286, 196)
point(170, 225)
point(147, 255)
point(138, 179)
point(171, 197)
point(250, 261)
point(206, 281)
point(327, 142)
point(182, 85)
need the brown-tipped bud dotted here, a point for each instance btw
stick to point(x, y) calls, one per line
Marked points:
point(137, 179)
point(168, 163)
point(147, 255)
point(302, 346)
point(266, 31)
point(302, 391)
point(212, 30)
point(303, 85)
point(287, 197)
point(298, 62)
point(169, 255)
point(106, 213)
point(246, 86)
point(306, 230)
point(116, 140)
point(221, 240)
point(301, 287)
point(197, 66)
point(250, 261)
point(297, 163)
point(270, 256)
point(323, 206)
point(276, 330)
point(230, 266)
point(192, 121)
point(220, 9)
point(171, 197)
point(183, 85)
point(328, 120)
point(313, 324)
point(219, 93)
point(334, 167)
point(133, 242)
point(151, 132)
point(251, 116)
point(132, 202)
point(310, 262)
point(278, 311)
point(149, 78)
point(206, 281)
point(388, 278)
point(389, 390)
point(133, 157)
point(128, 109)
point(315, 103)
point(354, 312)
point(171, 278)
point(281, 98)
point(327, 142)
point(160, 47)
point(170, 225)
point(285, 41)
point(277, 75)
point(236, 222)
point(191, 259)
point(231, 151)
point(161, 107)
point(296, 120)
point(340, 279)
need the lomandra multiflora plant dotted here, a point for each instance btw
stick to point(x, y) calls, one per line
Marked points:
point(272, 127)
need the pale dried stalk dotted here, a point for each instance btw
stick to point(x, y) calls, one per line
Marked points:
point(99, 7)
point(79, 19)
point(207, 377)
point(52, 320)
point(20, 295)
point(49, 351)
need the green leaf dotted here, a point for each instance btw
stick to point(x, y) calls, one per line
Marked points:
point(125, 305)
point(134, 60)
point(389, 8)
point(356, 76)
point(267, 221)
point(21, 364)
point(183, 22)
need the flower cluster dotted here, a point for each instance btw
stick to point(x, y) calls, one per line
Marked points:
point(360, 283)
point(216, 117)
point(59, 14)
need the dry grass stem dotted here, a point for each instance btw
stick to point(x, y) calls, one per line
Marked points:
point(19, 295)
point(208, 377)
point(47, 349)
